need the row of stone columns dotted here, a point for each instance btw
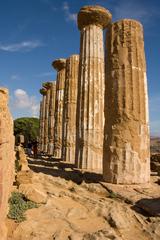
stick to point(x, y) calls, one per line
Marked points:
point(97, 115)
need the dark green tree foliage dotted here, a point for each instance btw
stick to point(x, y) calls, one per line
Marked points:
point(29, 127)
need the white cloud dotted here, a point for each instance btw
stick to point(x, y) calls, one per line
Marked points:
point(69, 16)
point(21, 100)
point(22, 46)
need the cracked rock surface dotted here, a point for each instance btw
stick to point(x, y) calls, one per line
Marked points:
point(86, 209)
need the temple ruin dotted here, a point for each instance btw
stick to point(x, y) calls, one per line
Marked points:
point(97, 90)
point(95, 115)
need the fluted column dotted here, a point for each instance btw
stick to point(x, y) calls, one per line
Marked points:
point(126, 146)
point(90, 102)
point(42, 121)
point(59, 65)
point(51, 118)
point(40, 126)
point(47, 86)
point(69, 113)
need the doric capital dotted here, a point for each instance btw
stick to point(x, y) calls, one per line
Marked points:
point(93, 15)
point(43, 91)
point(59, 64)
point(47, 85)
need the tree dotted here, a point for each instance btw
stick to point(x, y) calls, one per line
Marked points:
point(29, 127)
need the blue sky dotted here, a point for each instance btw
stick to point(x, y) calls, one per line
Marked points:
point(35, 32)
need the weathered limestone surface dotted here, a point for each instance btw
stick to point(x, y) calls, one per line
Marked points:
point(51, 118)
point(47, 86)
point(7, 158)
point(22, 158)
point(126, 143)
point(42, 119)
point(40, 126)
point(90, 102)
point(59, 65)
point(69, 114)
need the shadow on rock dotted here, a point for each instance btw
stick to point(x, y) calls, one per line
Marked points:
point(148, 207)
point(64, 170)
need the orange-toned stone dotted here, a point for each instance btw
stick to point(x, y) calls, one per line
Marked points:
point(126, 142)
point(60, 66)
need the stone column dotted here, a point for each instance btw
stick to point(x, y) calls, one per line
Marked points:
point(69, 114)
point(126, 145)
point(7, 159)
point(59, 65)
point(90, 102)
point(40, 127)
point(51, 118)
point(47, 86)
point(43, 92)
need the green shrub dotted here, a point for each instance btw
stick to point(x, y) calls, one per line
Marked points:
point(113, 195)
point(18, 204)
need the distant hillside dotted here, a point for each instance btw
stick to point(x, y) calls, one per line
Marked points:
point(155, 144)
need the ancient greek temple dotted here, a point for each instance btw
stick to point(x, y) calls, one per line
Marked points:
point(95, 116)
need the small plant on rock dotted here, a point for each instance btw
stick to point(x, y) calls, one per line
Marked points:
point(18, 204)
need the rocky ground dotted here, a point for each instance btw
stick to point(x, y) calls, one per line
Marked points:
point(78, 205)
